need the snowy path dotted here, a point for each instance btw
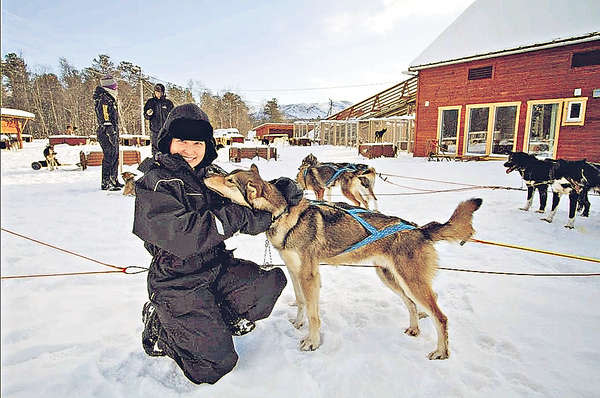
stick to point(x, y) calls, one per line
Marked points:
point(509, 336)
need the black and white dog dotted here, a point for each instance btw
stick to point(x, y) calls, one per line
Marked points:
point(567, 177)
point(379, 134)
point(536, 173)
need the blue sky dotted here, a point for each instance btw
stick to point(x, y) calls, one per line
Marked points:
point(243, 46)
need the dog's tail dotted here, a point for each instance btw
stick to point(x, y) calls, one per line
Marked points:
point(459, 227)
point(367, 180)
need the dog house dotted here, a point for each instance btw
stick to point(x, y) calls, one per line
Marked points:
point(13, 122)
point(377, 150)
point(134, 140)
point(237, 153)
point(129, 157)
point(68, 139)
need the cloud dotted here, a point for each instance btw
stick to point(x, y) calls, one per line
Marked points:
point(387, 14)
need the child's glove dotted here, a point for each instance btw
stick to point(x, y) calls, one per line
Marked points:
point(290, 190)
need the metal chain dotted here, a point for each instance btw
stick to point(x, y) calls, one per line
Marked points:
point(267, 264)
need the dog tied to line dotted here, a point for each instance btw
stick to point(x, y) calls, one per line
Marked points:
point(356, 180)
point(310, 233)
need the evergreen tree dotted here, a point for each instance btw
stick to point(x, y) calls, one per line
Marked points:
point(272, 112)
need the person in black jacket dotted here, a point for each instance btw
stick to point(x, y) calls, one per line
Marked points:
point(200, 294)
point(105, 105)
point(156, 111)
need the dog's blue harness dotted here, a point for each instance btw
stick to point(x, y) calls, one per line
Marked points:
point(338, 171)
point(375, 234)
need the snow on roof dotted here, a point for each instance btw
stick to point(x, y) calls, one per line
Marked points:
point(492, 26)
point(230, 132)
point(17, 113)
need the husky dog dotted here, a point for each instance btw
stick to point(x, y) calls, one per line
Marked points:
point(379, 134)
point(355, 180)
point(309, 233)
point(574, 178)
point(50, 156)
point(129, 189)
point(536, 173)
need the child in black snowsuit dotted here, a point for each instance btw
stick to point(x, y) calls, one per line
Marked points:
point(199, 293)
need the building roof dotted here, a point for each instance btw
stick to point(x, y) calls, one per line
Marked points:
point(490, 28)
point(273, 124)
point(393, 101)
point(16, 113)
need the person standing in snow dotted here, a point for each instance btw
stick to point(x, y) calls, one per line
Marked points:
point(200, 294)
point(105, 105)
point(156, 111)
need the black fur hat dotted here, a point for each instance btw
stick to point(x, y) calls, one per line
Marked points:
point(188, 122)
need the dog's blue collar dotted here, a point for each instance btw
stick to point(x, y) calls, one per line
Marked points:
point(374, 233)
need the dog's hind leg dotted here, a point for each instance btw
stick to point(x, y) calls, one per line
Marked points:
point(543, 191)
point(573, 196)
point(310, 284)
point(351, 196)
point(418, 288)
point(388, 279)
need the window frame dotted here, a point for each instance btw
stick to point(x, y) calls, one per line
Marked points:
point(568, 102)
point(559, 116)
point(491, 120)
point(441, 110)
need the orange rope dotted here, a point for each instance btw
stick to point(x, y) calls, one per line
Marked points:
point(126, 270)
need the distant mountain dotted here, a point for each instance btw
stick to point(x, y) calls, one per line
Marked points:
point(308, 111)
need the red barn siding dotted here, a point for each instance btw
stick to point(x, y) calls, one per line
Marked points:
point(268, 128)
point(537, 75)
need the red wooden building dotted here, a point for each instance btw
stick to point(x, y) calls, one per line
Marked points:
point(274, 128)
point(494, 82)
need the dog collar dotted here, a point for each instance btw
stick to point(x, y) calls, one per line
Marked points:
point(277, 217)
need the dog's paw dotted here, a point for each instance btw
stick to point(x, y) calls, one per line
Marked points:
point(439, 354)
point(524, 208)
point(308, 344)
point(297, 323)
point(540, 211)
point(412, 331)
point(548, 220)
point(569, 226)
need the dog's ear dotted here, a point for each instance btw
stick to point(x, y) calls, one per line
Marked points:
point(254, 169)
point(253, 191)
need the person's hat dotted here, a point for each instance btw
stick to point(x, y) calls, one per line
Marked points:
point(159, 87)
point(108, 82)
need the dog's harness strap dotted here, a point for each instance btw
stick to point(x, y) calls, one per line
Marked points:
point(374, 233)
point(338, 171)
point(378, 234)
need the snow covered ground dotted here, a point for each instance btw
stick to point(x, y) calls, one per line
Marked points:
point(79, 336)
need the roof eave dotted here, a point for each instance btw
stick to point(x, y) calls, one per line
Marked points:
point(518, 50)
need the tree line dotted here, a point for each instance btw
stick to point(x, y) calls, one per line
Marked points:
point(65, 98)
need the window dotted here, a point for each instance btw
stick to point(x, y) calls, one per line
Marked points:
point(491, 128)
point(477, 130)
point(448, 120)
point(574, 111)
point(542, 128)
point(480, 73)
point(585, 59)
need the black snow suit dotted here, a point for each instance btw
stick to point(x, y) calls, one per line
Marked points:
point(192, 276)
point(160, 110)
point(108, 134)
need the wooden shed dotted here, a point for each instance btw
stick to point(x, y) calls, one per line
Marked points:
point(13, 122)
point(494, 82)
point(274, 128)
